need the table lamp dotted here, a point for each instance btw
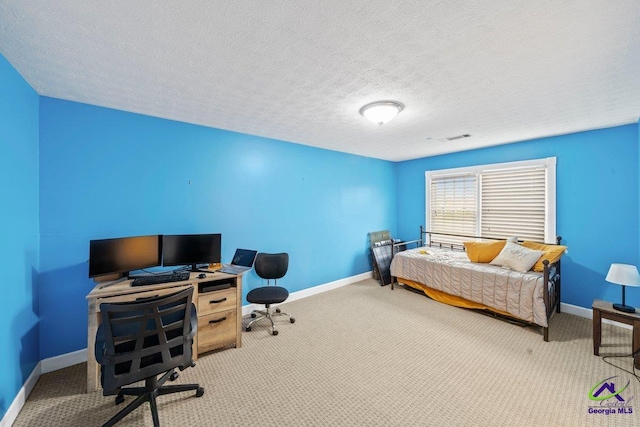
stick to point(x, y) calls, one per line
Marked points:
point(625, 275)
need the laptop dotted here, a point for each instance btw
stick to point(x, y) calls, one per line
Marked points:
point(242, 261)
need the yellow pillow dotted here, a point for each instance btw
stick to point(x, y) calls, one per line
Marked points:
point(551, 253)
point(483, 251)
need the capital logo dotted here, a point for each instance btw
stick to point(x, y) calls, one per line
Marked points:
point(607, 390)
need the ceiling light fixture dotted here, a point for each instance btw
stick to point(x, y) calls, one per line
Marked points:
point(380, 112)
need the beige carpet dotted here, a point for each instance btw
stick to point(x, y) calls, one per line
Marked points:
point(364, 355)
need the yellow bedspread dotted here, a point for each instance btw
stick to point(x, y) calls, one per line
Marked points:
point(450, 299)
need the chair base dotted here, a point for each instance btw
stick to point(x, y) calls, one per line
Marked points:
point(153, 388)
point(258, 315)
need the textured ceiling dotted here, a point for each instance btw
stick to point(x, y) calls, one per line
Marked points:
point(299, 71)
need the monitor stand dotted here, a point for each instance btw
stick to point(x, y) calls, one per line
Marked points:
point(195, 269)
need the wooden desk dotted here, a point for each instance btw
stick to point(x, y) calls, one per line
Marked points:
point(605, 310)
point(219, 312)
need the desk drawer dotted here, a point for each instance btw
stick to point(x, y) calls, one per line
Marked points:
point(132, 297)
point(216, 330)
point(213, 302)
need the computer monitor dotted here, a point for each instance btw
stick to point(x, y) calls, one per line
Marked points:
point(191, 249)
point(123, 254)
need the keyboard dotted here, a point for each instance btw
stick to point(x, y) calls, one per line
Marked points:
point(154, 279)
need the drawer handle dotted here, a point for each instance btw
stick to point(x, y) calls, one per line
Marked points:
point(219, 320)
point(218, 301)
point(145, 298)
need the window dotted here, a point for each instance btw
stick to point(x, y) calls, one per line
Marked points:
point(498, 200)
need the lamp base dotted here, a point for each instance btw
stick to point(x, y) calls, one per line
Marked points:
point(625, 308)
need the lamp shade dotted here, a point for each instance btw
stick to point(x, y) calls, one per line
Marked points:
point(623, 274)
point(381, 112)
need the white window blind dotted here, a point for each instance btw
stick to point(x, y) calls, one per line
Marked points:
point(500, 200)
point(514, 203)
point(454, 205)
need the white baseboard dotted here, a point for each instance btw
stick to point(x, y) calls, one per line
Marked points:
point(315, 290)
point(16, 406)
point(576, 310)
point(63, 361)
point(588, 313)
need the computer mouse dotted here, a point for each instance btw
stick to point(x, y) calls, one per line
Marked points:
point(202, 276)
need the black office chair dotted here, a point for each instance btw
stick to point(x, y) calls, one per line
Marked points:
point(140, 340)
point(270, 267)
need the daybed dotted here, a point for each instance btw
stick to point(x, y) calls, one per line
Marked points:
point(447, 275)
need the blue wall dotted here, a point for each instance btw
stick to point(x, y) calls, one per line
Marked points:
point(107, 173)
point(597, 202)
point(19, 351)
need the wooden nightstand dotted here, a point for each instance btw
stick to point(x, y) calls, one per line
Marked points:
point(605, 310)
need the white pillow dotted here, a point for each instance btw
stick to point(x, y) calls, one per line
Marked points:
point(517, 257)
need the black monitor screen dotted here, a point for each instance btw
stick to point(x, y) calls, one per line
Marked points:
point(191, 249)
point(109, 256)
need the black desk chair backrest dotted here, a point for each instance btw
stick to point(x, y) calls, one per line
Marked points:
point(269, 267)
point(142, 339)
point(272, 266)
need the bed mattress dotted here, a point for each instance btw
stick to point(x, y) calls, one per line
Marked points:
point(450, 271)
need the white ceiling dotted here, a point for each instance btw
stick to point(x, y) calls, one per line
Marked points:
point(299, 70)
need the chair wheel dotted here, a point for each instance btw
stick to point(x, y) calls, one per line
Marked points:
point(292, 320)
point(253, 315)
point(119, 398)
point(275, 332)
point(278, 310)
point(248, 329)
point(174, 376)
point(200, 392)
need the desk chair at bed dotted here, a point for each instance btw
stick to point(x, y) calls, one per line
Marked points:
point(269, 267)
point(140, 340)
